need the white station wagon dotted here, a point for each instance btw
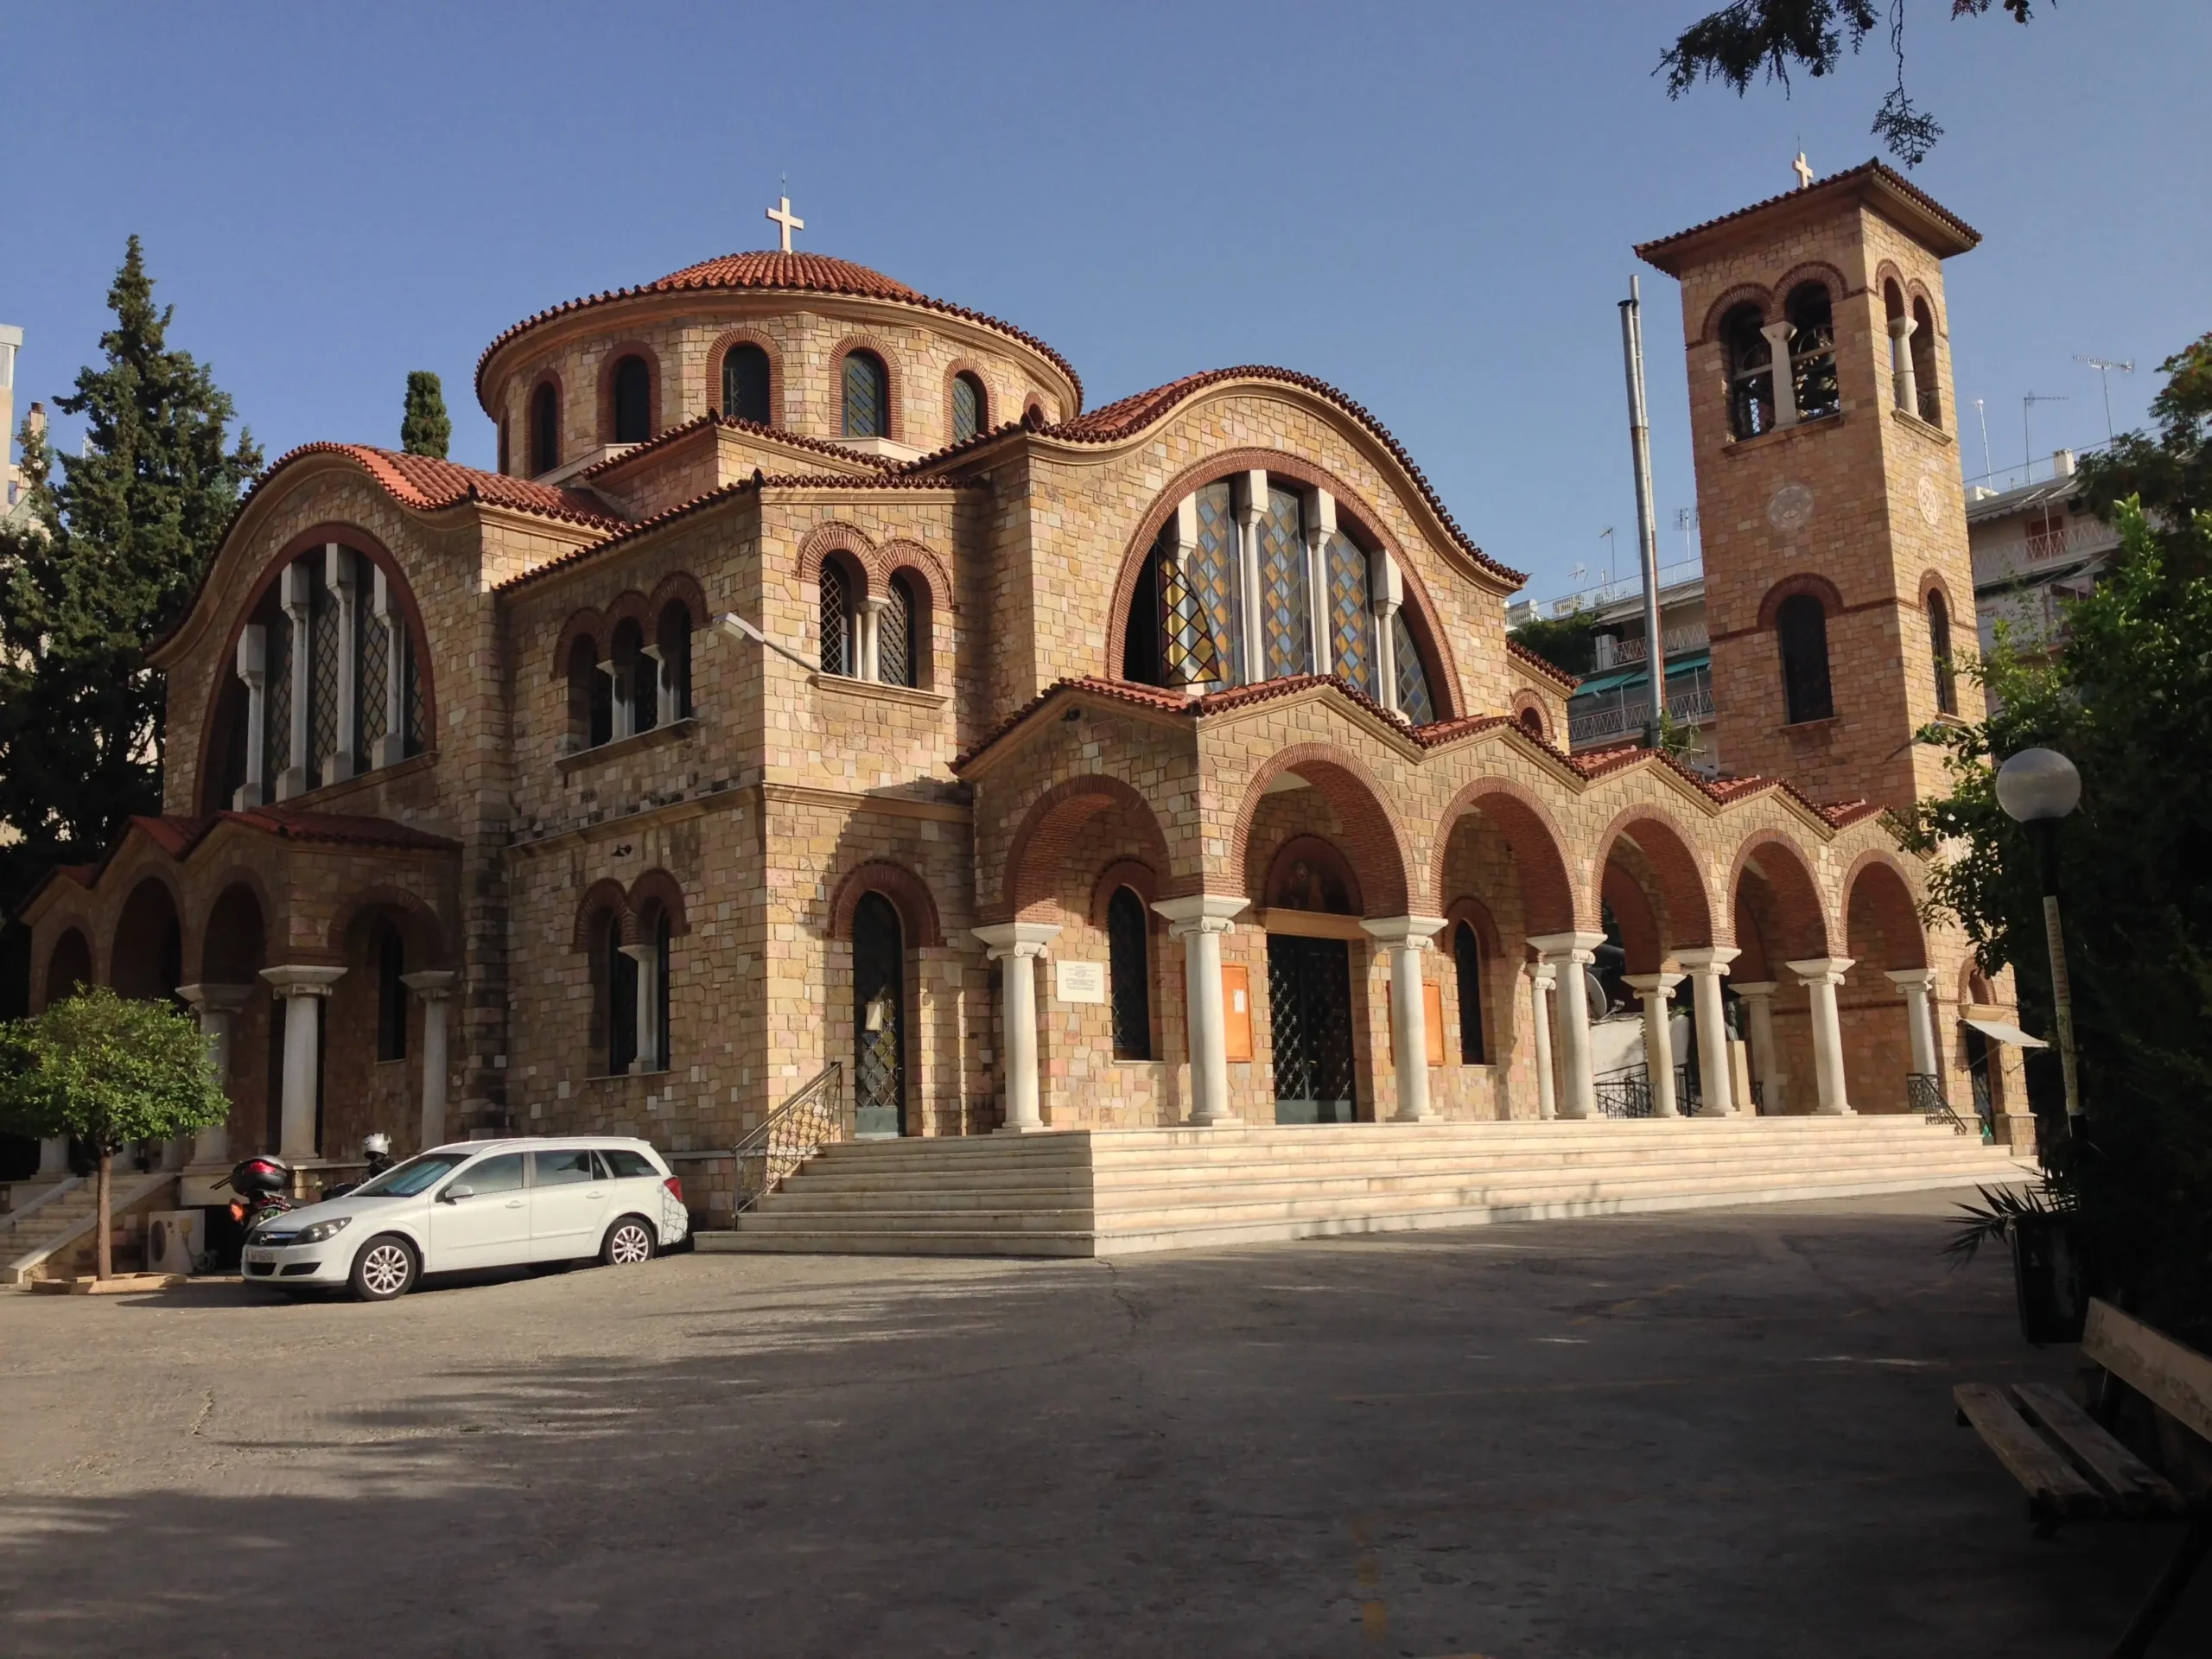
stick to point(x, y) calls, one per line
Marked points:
point(477, 1203)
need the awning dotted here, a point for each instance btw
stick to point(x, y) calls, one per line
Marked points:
point(2005, 1033)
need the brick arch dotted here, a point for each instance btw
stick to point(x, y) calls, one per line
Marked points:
point(1790, 587)
point(1531, 715)
point(587, 624)
point(1313, 849)
point(1933, 580)
point(1378, 846)
point(1038, 852)
point(1743, 294)
point(630, 606)
point(1136, 875)
point(903, 554)
point(68, 963)
point(1801, 920)
point(655, 423)
point(1632, 911)
point(1814, 271)
point(420, 926)
point(837, 537)
point(547, 376)
point(208, 937)
point(679, 584)
point(1885, 273)
point(1421, 610)
point(656, 887)
point(1476, 914)
point(1876, 876)
point(1539, 855)
point(908, 893)
point(1917, 291)
point(150, 886)
point(992, 399)
point(720, 350)
point(894, 390)
point(603, 897)
point(403, 595)
point(1666, 848)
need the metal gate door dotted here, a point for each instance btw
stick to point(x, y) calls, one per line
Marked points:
point(1309, 1000)
point(879, 1018)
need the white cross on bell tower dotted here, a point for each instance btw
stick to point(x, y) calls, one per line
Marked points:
point(782, 217)
point(1801, 167)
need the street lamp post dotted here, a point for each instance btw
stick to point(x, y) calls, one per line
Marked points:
point(2037, 788)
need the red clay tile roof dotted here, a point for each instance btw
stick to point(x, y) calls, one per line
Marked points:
point(820, 445)
point(178, 834)
point(767, 269)
point(1872, 180)
point(1543, 665)
point(428, 485)
point(1112, 421)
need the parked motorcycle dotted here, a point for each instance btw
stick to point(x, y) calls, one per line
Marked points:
point(376, 1152)
point(261, 1186)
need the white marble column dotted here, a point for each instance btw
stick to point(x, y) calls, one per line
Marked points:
point(218, 1007)
point(344, 582)
point(1186, 547)
point(646, 1007)
point(1200, 922)
point(301, 989)
point(1387, 591)
point(1707, 965)
point(391, 748)
point(1902, 376)
point(1785, 387)
point(1570, 956)
point(1406, 939)
point(1916, 984)
point(1250, 493)
point(1320, 525)
point(297, 587)
point(253, 669)
point(623, 720)
point(1766, 1061)
point(1542, 977)
point(871, 620)
point(1657, 991)
point(434, 986)
point(1821, 975)
point(1018, 945)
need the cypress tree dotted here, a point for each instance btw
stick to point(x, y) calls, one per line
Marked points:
point(424, 429)
point(112, 556)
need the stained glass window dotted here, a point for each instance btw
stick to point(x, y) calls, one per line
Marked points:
point(745, 383)
point(867, 397)
point(276, 705)
point(1192, 655)
point(836, 621)
point(418, 704)
point(967, 406)
point(374, 641)
point(1213, 574)
point(1414, 701)
point(1286, 615)
point(1351, 616)
point(326, 653)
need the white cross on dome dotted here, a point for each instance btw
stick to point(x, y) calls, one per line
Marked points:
point(786, 221)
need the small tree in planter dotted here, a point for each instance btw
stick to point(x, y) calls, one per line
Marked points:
point(113, 1071)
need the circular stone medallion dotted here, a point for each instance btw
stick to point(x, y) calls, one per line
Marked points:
point(1791, 509)
point(1931, 501)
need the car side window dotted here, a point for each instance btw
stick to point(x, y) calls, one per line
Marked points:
point(559, 1168)
point(627, 1165)
point(500, 1174)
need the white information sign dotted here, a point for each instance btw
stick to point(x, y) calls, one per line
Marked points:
point(1079, 982)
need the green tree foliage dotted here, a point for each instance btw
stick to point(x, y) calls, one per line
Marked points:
point(1741, 42)
point(2124, 700)
point(425, 428)
point(1565, 642)
point(2171, 475)
point(113, 1071)
point(114, 553)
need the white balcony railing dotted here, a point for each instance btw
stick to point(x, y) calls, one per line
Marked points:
point(1689, 636)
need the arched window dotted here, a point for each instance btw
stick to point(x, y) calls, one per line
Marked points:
point(672, 645)
point(1923, 363)
point(506, 457)
point(836, 619)
point(1751, 372)
point(1414, 701)
point(1285, 607)
point(970, 406)
point(1531, 722)
point(591, 699)
point(867, 397)
point(1130, 971)
point(392, 994)
point(1467, 967)
point(633, 401)
point(1939, 641)
point(1812, 351)
point(1801, 628)
point(618, 973)
point(544, 429)
point(635, 695)
point(745, 383)
point(663, 935)
point(895, 644)
point(879, 1018)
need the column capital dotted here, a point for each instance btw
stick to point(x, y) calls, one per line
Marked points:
point(432, 984)
point(1705, 958)
point(1201, 912)
point(1567, 947)
point(876, 604)
point(1651, 985)
point(303, 982)
point(1906, 979)
point(640, 954)
point(1901, 328)
point(1822, 970)
point(1413, 932)
point(217, 999)
point(1023, 940)
point(1756, 988)
point(1543, 975)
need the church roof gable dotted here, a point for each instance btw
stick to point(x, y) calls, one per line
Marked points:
point(1888, 193)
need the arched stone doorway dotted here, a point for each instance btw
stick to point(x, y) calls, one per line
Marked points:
point(879, 1019)
point(1674, 1057)
point(146, 960)
point(1784, 976)
point(1889, 1041)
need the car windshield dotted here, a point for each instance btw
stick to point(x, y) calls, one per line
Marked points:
point(405, 1181)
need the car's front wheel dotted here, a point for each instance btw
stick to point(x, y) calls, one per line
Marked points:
point(386, 1267)
point(629, 1241)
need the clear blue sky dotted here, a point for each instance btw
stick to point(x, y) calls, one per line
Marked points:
point(1430, 207)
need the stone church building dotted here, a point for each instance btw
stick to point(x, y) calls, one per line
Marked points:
point(819, 680)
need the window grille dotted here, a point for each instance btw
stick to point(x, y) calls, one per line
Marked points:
point(418, 703)
point(895, 635)
point(1414, 701)
point(745, 383)
point(1351, 613)
point(276, 704)
point(967, 407)
point(1215, 578)
point(326, 654)
point(1939, 640)
point(1127, 943)
point(374, 642)
point(867, 397)
point(1468, 964)
point(1286, 616)
point(836, 621)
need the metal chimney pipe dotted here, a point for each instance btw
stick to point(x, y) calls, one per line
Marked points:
point(1647, 531)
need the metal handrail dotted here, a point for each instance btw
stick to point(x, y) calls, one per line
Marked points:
point(809, 1119)
point(1923, 1093)
point(1625, 1093)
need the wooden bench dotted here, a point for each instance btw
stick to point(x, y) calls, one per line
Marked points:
point(2073, 1469)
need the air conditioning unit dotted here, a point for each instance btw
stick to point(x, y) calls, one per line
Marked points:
point(175, 1239)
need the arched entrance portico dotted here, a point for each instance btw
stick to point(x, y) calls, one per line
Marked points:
point(1788, 977)
point(1889, 1033)
point(1654, 894)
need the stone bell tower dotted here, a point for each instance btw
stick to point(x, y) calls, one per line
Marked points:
point(1838, 588)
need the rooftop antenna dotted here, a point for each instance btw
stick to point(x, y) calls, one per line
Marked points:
point(1686, 521)
point(2103, 365)
point(1647, 531)
point(1606, 536)
point(2027, 444)
point(1981, 414)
